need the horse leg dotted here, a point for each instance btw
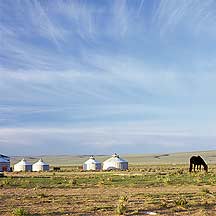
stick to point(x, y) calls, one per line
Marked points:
point(191, 167)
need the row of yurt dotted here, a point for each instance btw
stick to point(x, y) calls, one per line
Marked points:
point(113, 163)
point(23, 165)
point(4, 163)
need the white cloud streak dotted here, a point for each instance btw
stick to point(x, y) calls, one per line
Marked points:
point(195, 16)
point(91, 63)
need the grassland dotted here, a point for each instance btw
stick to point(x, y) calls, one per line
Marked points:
point(162, 188)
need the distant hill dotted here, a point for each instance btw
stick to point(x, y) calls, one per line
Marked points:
point(138, 159)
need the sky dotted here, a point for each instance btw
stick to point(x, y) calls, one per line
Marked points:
point(104, 76)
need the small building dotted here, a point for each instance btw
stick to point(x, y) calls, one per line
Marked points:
point(23, 165)
point(92, 164)
point(115, 163)
point(4, 163)
point(40, 166)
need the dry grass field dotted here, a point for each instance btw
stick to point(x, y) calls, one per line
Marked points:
point(134, 159)
point(157, 189)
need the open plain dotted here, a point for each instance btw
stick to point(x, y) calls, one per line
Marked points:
point(162, 188)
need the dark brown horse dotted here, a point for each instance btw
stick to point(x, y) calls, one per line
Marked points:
point(197, 162)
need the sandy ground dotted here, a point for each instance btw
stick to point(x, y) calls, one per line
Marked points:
point(103, 200)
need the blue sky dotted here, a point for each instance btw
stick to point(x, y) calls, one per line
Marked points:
point(97, 77)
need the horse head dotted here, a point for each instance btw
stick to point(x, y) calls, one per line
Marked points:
point(205, 167)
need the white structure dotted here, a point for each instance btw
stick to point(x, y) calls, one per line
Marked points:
point(4, 163)
point(92, 164)
point(23, 165)
point(115, 162)
point(40, 166)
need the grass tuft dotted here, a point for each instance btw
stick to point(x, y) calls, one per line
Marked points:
point(121, 208)
point(181, 201)
point(20, 212)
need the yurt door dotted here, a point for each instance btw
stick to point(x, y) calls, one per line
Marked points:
point(4, 169)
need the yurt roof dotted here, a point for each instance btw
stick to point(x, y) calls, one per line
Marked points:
point(23, 162)
point(4, 157)
point(41, 163)
point(92, 160)
point(1, 155)
point(2, 160)
point(115, 158)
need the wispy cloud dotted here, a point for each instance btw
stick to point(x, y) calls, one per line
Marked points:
point(195, 17)
point(107, 74)
point(32, 17)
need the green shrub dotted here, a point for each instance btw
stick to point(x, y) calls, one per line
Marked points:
point(122, 205)
point(20, 212)
point(181, 202)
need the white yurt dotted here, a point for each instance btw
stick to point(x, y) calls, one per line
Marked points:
point(4, 163)
point(23, 165)
point(115, 162)
point(92, 164)
point(40, 166)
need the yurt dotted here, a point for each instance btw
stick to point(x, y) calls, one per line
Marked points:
point(40, 166)
point(92, 164)
point(4, 163)
point(23, 165)
point(115, 162)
